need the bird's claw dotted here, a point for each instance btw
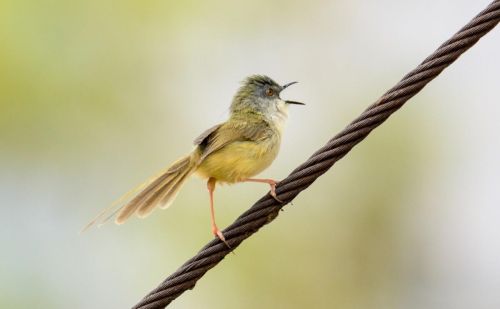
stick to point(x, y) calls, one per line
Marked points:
point(217, 233)
point(273, 190)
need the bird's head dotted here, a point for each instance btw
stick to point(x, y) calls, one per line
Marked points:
point(260, 94)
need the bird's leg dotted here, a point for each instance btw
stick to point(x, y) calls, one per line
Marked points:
point(215, 230)
point(271, 182)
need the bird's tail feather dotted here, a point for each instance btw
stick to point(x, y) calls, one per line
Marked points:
point(165, 194)
point(159, 191)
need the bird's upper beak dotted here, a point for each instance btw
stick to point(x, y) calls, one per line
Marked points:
point(291, 102)
point(287, 85)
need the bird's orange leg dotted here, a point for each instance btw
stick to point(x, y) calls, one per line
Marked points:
point(215, 230)
point(271, 182)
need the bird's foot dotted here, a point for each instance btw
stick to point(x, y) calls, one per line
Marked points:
point(272, 184)
point(217, 233)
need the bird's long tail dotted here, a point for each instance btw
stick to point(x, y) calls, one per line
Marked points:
point(159, 191)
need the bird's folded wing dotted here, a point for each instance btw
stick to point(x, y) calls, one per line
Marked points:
point(223, 134)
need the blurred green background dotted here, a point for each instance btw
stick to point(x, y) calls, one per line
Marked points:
point(95, 96)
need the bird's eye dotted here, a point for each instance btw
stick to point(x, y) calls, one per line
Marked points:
point(269, 92)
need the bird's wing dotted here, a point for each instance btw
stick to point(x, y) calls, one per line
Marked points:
point(204, 136)
point(223, 134)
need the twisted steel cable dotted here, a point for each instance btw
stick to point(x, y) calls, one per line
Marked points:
point(267, 208)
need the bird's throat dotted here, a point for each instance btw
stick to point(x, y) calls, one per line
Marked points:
point(278, 115)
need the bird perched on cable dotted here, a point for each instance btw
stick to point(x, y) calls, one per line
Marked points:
point(230, 152)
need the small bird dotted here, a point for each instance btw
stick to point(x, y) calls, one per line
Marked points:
point(230, 152)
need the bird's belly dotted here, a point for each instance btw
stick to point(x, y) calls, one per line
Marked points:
point(238, 161)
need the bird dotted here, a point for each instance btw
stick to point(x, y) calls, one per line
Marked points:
point(230, 152)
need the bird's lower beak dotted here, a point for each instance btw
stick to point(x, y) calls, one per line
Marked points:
point(294, 102)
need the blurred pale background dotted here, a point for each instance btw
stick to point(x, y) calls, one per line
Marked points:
point(96, 96)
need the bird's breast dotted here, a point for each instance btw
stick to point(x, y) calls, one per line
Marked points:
point(240, 160)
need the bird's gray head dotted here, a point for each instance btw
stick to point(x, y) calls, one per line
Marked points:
point(260, 94)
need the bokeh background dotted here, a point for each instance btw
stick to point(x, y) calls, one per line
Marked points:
point(95, 96)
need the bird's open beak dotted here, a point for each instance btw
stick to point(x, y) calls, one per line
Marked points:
point(291, 102)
